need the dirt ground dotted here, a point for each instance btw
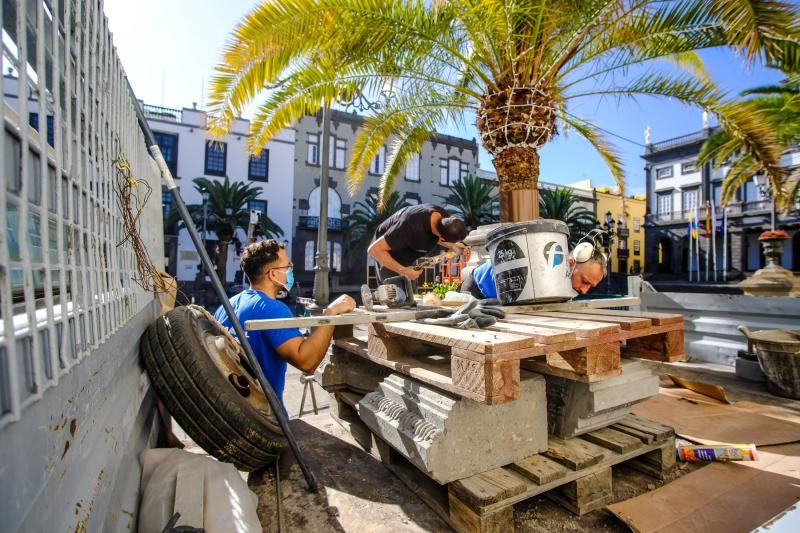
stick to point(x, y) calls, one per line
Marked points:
point(357, 493)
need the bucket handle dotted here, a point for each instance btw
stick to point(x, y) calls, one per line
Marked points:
point(746, 332)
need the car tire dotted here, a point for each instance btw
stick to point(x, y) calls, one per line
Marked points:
point(202, 376)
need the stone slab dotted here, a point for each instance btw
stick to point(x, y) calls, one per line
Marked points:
point(575, 408)
point(452, 438)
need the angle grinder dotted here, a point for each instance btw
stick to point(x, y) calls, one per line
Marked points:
point(395, 292)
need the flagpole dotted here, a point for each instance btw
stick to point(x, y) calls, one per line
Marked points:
point(725, 244)
point(714, 237)
point(697, 242)
point(691, 244)
point(707, 249)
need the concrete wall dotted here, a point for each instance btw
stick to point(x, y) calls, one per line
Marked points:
point(712, 319)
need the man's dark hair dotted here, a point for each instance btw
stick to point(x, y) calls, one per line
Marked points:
point(452, 229)
point(258, 256)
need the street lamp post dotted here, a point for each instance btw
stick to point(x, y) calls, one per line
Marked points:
point(608, 242)
point(321, 291)
point(622, 245)
point(762, 184)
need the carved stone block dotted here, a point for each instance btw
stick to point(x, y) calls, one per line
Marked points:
point(451, 438)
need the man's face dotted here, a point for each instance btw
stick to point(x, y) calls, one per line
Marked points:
point(586, 275)
point(276, 273)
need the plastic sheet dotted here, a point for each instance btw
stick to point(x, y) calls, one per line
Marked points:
point(208, 494)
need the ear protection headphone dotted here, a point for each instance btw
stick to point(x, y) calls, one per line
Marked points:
point(585, 250)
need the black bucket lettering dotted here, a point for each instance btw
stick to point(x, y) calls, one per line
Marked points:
point(507, 250)
point(511, 283)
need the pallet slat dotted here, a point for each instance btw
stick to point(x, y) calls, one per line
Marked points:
point(488, 488)
point(658, 319)
point(582, 328)
point(539, 469)
point(575, 454)
point(626, 323)
point(613, 440)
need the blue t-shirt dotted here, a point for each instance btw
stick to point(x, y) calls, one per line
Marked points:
point(484, 279)
point(251, 304)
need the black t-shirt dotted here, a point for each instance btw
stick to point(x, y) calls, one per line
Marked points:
point(408, 232)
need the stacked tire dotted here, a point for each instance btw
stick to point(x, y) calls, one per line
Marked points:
point(228, 418)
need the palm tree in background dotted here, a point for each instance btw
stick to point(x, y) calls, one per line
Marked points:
point(472, 198)
point(521, 69)
point(364, 219)
point(228, 209)
point(780, 106)
point(561, 204)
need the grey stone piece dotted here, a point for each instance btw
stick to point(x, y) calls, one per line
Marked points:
point(451, 438)
point(575, 408)
point(342, 370)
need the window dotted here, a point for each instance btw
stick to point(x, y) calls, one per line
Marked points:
point(336, 153)
point(216, 158)
point(313, 149)
point(166, 202)
point(334, 256)
point(168, 144)
point(637, 224)
point(716, 193)
point(309, 256)
point(664, 205)
point(413, 198)
point(690, 199)
point(258, 169)
point(258, 205)
point(451, 171)
point(637, 247)
point(664, 172)
point(412, 168)
point(496, 209)
point(377, 165)
point(33, 120)
point(689, 167)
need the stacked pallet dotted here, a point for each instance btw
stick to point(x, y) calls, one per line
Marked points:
point(538, 403)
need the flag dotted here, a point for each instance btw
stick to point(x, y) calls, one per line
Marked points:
point(693, 223)
point(691, 228)
point(708, 221)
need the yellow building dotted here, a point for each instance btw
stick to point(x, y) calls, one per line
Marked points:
point(634, 208)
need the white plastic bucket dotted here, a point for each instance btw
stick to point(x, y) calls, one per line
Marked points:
point(531, 262)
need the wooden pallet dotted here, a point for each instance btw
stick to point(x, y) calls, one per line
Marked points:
point(483, 365)
point(574, 472)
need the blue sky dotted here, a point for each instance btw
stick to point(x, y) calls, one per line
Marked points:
point(169, 49)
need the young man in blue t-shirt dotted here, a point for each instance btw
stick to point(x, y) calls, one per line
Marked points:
point(266, 265)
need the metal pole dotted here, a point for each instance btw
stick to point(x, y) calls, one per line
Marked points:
point(772, 199)
point(205, 247)
point(269, 392)
point(321, 290)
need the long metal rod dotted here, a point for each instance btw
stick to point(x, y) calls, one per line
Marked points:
point(404, 315)
point(272, 398)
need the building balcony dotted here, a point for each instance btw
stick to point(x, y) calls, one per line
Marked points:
point(161, 113)
point(757, 206)
point(334, 224)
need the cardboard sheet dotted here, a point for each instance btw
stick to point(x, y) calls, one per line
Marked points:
point(720, 497)
point(707, 421)
point(714, 391)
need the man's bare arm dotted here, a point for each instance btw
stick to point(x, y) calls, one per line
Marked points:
point(380, 251)
point(306, 354)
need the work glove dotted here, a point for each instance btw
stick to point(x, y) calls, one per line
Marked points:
point(472, 315)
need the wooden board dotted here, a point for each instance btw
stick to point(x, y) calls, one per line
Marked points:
point(488, 488)
point(475, 340)
point(626, 323)
point(613, 440)
point(598, 303)
point(539, 334)
point(582, 328)
point(658, 319)
point(576, 454)
point(539, 469)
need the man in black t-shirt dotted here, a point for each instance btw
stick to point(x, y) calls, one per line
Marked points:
point(412, 233)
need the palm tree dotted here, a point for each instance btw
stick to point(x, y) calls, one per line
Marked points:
point(472, 199)
point(780, 106)
point(519, 67)
point(560, 204)
point(228, 209)
point(364, 219)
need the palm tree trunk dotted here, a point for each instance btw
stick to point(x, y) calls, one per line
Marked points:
point(518, 174)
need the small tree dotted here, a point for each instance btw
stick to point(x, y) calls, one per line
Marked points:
point(224, 195)
point(779, 105)
point(561, 204)
point(472, 199)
